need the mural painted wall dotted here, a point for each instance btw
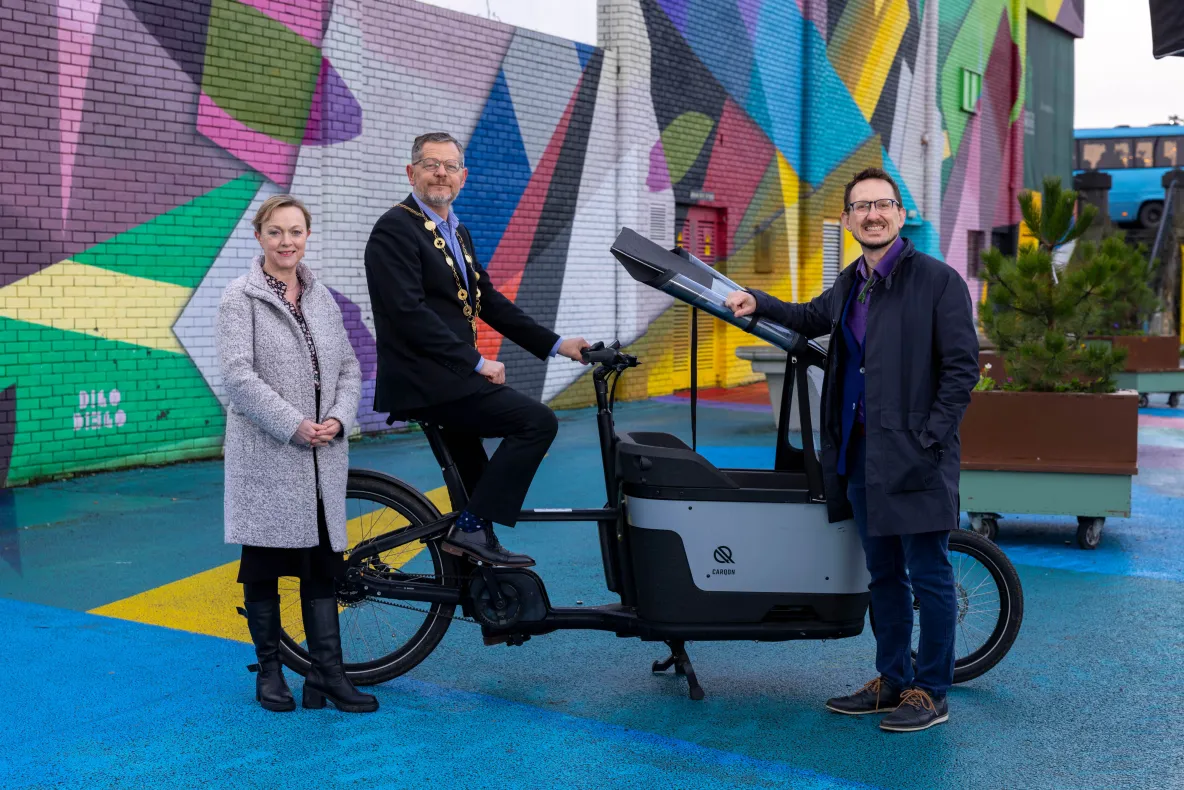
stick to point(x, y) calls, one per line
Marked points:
point(139, 136)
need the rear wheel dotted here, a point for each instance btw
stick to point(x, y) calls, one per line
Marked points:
point(990, 605)
point(380, 638)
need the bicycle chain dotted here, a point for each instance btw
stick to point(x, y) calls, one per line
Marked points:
point(428, 612)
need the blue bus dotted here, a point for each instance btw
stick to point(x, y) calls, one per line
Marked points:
point(1136, 159)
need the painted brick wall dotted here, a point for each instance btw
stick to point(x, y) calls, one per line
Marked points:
point(138, 137)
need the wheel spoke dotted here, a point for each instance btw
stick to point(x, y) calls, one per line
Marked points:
point(381, 638)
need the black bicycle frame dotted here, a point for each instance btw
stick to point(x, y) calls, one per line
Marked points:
point(608, 519)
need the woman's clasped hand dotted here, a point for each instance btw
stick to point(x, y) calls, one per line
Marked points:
point(317, 434)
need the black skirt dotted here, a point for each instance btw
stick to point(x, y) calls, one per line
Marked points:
point(264, 563)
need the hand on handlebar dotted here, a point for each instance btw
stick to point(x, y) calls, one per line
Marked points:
point(573, 348)
point(741, 303)
point(608, 355)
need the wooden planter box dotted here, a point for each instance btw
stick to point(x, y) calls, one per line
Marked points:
point(1144, 354)
point(1055, 453)
point(1147, 353)
point(1061, 432)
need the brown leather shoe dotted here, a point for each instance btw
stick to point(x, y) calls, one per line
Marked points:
point(877, 696)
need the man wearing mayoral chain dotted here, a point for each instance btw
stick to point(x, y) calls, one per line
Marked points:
point(427, 288)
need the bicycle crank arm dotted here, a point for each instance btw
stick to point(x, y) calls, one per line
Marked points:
point(376, 586)
point(400, 538)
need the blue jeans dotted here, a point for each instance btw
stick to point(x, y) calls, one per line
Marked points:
point(901, 567)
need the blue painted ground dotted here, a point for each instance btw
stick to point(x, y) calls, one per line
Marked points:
point(1088, 697)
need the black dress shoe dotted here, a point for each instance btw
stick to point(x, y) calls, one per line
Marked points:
point(271, 690)
point(877, 696)
point(326, 677)
point(917, 711)
point(482, 545)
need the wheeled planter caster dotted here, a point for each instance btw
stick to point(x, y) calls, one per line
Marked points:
point(985, 524)
point(1089, 531)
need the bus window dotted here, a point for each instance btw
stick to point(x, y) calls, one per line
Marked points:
point(1105, 154)
point(1169, 153)
point(1144, 153)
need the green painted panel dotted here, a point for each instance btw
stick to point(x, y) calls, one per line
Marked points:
point(682, 141)
point(1048, 139)
point(1046, 493)
point(103, 405)
point(261, 72)
point(1157, 382)
point(180, 246)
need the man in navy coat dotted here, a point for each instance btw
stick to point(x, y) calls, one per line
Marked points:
point(903, 361)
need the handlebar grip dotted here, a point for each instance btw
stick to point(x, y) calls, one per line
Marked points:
point(599, 355)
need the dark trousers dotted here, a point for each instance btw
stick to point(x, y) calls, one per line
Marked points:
point(901, 567)
point(496, 486)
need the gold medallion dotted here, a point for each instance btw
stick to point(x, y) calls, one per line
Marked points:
point(468, 311)
point(439, 242)
point(431, 226)
point(462, 294)
point(478, 293)
point(468, 257)
point(448, 260)
point(476, 274)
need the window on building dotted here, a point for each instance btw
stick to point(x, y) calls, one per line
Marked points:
point(1106, 154)
point(1169, 154)
point(832, 252)
point(976, 241)
point(972, 88)
point(1144, 152)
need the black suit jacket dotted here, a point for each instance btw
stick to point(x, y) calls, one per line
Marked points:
point(426, 352)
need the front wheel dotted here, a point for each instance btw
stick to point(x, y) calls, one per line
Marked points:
point(380, 638)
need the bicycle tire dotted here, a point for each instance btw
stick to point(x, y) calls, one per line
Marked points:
point(1011, 604)
point(413, 506)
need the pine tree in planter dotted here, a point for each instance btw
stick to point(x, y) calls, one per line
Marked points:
point(1134, 301)
point(1053, 436)
point(1038, 315)
point(1122, 319)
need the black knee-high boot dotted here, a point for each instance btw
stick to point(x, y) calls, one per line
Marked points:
point(326, 677)
point(271, 690)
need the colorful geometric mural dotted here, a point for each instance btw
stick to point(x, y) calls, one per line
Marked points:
point(1068, 14)
point(141, 135)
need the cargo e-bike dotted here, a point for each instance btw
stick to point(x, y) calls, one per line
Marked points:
point(692, 551)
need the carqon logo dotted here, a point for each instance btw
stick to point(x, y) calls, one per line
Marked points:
point(723, 555)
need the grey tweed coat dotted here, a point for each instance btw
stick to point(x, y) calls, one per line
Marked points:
point(271, 482)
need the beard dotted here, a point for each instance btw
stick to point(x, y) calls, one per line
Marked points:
point(436, 201)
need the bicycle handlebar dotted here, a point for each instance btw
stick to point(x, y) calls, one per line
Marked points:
point(599, 353)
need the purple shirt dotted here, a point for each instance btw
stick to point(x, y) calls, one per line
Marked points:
point(857, 313)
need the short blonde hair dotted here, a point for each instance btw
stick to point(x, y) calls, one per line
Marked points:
point(277, 202)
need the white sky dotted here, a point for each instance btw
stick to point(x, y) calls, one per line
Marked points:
point(1117, 79)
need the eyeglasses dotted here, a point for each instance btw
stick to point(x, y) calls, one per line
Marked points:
point(452, 166)
point(862, 207)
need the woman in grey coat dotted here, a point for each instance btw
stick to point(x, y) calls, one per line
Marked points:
point(293, 383)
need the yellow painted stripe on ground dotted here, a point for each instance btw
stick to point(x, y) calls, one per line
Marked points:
point(205, 603)
point(99, 302)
